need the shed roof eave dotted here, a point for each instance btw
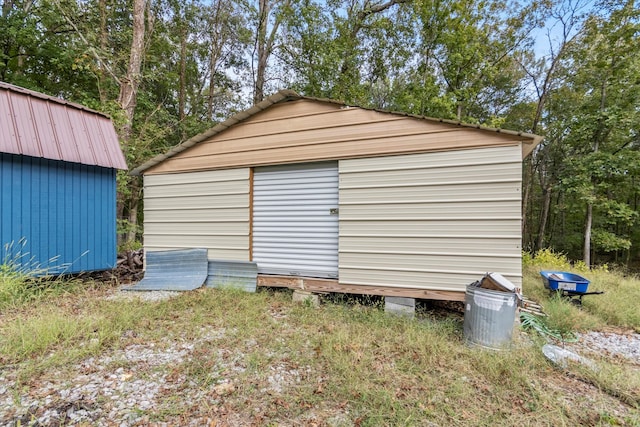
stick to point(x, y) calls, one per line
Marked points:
point(33, 93)
point(529, 146)
point(43, 126)
point(236, 118)
point(529, 141)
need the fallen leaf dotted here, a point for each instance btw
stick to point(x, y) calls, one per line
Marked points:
point(282, 403)
point(224, 389)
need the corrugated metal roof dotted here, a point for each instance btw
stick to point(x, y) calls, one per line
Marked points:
point(37, 125)
point(288, 95)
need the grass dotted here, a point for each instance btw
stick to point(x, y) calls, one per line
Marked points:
point(17, 289)
point(617, 307)
point(23, 280)
point(344, 363)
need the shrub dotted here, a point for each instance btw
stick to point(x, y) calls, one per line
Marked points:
point(549, 260)
point(22, 279)
point(546, 258)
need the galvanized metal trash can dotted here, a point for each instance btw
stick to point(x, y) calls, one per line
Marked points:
point(489, 317)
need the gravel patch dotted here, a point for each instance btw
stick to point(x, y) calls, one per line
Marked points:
point(281, 377)
point(611, 344)
point(151, 296)
point(116, 389)
point(132, 385)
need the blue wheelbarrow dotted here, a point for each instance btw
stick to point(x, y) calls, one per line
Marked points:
point(567, 285)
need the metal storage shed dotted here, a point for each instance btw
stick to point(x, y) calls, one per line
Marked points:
point(330, 197)
point(58, 164)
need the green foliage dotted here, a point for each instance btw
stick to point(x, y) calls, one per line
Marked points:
point(17, 289)
point(618, 305)
point(609, 242)
point(129, 245)
point(589, 161)
point(66, 332)
point(546, 259)
point(472, 60)
point(125, 227)
point(541, 325)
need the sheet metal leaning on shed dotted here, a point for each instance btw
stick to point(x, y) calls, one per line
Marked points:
point(179, 270)
point(37, 125)
point(235, 274)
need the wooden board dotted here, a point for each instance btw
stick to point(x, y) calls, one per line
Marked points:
point(332, 285)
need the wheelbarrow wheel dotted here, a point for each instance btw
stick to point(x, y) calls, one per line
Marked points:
point(573, 299)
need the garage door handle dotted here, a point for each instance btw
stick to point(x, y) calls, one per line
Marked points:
point(333, 211)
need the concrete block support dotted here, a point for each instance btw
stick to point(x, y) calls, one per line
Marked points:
point(400, 306)
point(306, 298)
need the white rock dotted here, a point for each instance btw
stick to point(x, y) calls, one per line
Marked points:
point(561, 356)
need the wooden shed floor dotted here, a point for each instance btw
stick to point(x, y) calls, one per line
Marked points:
point(316, 285)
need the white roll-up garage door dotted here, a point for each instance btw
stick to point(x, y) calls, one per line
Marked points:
point(295, 219)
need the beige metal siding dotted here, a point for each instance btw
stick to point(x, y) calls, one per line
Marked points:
point(198, 210)
point(434, 221)
point(305, 131)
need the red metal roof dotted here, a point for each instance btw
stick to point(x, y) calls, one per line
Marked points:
point(38, 125)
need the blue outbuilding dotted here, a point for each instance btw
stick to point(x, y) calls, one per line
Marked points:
point(58, 163)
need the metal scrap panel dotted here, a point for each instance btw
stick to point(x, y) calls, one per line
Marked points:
point(179, 270)
point(235, 274)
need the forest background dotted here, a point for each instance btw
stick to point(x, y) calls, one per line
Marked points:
point(165, 70)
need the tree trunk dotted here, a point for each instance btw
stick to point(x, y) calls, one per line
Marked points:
point(182, 93)
point(216, 51)
point(527, 183)
point(260, 76)
point(102, 75)
point(26, 7)
point(261, 41)
point(213, 67)
point(128, 99)
point(596, 146)
point(134, 204)
point(129, 87)
point(586, 255)
point(7, 5)
point(544, 216)
point(264, 45)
